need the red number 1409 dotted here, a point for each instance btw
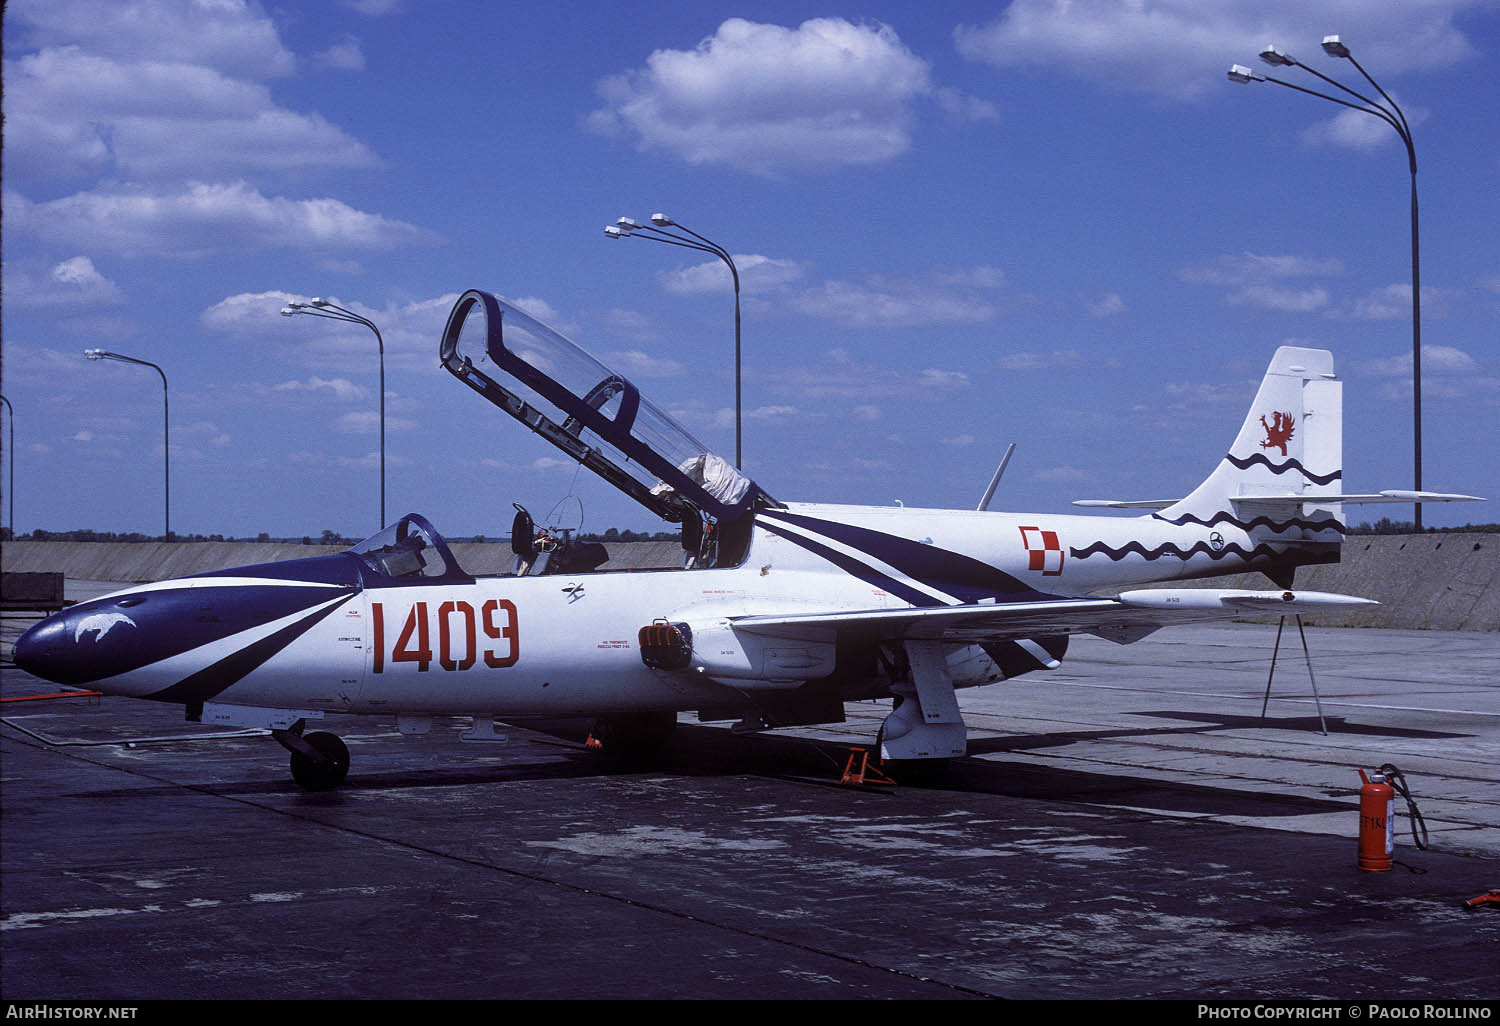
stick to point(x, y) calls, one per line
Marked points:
point(457, 636)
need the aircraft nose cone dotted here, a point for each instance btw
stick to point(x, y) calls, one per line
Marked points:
point(76, 647)
point(41, 650)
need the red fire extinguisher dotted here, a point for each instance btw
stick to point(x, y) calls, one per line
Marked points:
point(1376, 824)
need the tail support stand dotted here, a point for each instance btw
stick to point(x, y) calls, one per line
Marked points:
point(1310, 676)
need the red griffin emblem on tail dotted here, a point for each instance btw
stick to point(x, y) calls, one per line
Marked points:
point(1279, 431)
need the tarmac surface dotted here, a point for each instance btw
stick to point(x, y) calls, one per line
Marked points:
point(1124, 827)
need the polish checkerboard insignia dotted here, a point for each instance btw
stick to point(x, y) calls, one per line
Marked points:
point(1044, 551)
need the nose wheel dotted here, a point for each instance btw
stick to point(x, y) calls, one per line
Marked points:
point(320, 761)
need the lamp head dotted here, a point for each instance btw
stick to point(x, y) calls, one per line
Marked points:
point(1240, 73)
point(662, 220)
point(616, 233)
point(1333, 48)
point(1276, 58)
point(94, 354)
point(629, 224)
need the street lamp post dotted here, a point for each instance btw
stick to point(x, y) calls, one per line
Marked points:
point(625, 228)
point(1392, 115)
point(166, 429)
point(10, 448)
point(333, 312)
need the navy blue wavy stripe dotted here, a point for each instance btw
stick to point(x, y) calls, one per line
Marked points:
point(1202, 548)
point(1265, 461)
point(853, 566)
point(1276, 525)
point(963, 577)
point(215, 678)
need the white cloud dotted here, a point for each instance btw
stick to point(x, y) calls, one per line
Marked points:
point(1108, 305)
point(373, 8)
point(1254, 268)
point(1040, 361)
point(1440, 359)
point(635, 364)
point(840, 377)
point(157, 119)
point(1259, 280)
point(197, 218)
point(765, 98)
point(942, 380)
point(631, 323)
point(248, 311)
point(1394, 301)
point(234, 36)
point(757, 274)
point(74, 283)
point(340, 388)
point(944, 298)
point(1357, 130)
point(367, 422)
point(1182, 48)
point(1270, 297)
point(773, 412)
point(1447, 372)
point(345, 55)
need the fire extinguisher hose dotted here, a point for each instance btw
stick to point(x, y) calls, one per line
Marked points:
point(1397, 780)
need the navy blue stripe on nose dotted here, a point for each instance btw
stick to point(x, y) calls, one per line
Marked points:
point(210, 681)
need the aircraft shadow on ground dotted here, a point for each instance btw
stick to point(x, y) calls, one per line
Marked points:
point(702, 751)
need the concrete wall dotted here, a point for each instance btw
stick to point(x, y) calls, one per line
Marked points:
point(1432, 581)
point(135, 562)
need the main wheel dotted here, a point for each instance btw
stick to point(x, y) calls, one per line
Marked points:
point(634, 738)
point(327, 772)
point(911, 772)
point(916, 772)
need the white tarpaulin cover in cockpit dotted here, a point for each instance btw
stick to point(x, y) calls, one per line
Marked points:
point(715, 475)
point(592, 413)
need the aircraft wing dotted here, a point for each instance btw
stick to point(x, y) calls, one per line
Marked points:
point(1127, 617)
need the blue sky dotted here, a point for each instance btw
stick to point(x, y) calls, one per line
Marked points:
point(958, 225)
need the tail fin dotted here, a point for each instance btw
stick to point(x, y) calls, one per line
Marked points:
point(1290, 443)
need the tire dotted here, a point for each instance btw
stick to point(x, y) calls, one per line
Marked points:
point(634, 738)
point(916, 772)
point(321, 774)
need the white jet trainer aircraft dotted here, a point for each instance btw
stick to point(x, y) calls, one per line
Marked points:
point(780, 614)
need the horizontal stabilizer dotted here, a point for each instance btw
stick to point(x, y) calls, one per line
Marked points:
point(1126, 503)
point(1238, 600)
point(1365, 499)
point(1389, 495)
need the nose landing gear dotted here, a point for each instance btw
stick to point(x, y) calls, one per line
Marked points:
point(320, 761)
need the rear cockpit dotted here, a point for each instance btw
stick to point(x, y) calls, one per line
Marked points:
point(599, 419)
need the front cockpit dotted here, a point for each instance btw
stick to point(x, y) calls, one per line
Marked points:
point(600, 420)
point(409, 551)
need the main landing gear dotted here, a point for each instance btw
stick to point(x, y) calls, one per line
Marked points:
point(925, 728)
point(630, 739)
point(320, 761)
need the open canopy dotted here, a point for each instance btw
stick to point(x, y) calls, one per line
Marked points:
point(592, 413)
